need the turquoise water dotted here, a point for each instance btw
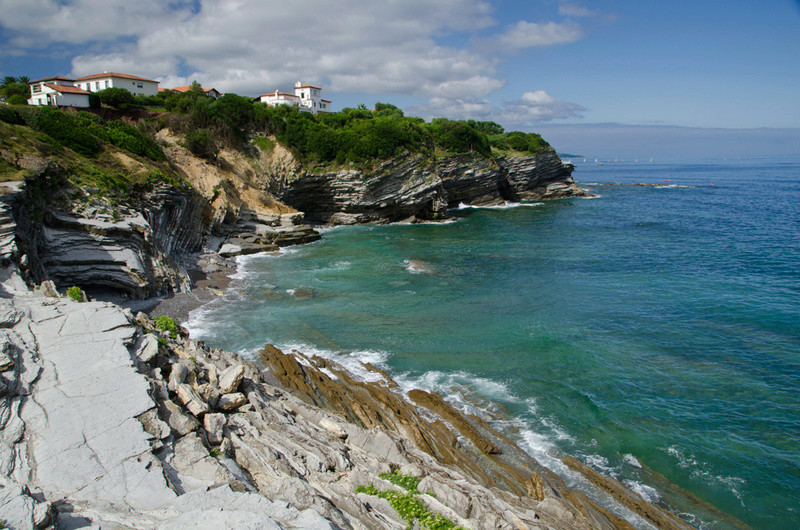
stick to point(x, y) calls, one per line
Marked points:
point(654, 326)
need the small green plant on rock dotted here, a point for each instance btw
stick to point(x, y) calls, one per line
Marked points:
point(76, 293)
point(165, 323)
point(407, 482)
point(408, 505)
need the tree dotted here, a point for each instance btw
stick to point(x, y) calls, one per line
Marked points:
point(387, 109)
point(115, 97)
point(24, 79)
point(197, 87)
point(9, 80)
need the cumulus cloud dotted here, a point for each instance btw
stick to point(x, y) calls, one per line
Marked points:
point(256, 46)
point(569, 9)
point(37, 23)
point(531, 108)
point(530, 35)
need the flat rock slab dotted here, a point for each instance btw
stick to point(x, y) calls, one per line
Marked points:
point(85, 440)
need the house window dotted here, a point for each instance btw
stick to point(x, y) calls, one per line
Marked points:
point(37, 88)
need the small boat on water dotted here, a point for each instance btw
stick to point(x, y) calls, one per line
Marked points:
point(598, 162)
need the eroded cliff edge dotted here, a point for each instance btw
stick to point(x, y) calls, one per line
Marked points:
point(144, 241)
point(415, 186)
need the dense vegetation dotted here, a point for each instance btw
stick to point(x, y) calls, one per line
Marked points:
point(354, 135)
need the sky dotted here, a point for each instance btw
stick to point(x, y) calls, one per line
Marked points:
point(604, 78)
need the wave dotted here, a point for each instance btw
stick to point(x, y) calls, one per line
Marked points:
point(699, 470)
point(505, 206)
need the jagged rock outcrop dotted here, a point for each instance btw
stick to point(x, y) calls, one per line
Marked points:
point(139, 252)
point(414, 186)
point(399, 188)
point(531, 178)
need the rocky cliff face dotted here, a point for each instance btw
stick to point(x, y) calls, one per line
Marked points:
point(139, 253)
point(414, 186)
point(402, 187)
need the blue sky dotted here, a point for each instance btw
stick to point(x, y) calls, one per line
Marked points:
point(577, 69)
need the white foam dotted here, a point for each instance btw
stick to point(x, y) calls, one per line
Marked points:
point(632, 460)
point(505, 206)
point(353, 362)
point(648, 493)
point(699, 470)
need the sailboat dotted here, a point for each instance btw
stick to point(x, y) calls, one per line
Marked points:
point(597, 162)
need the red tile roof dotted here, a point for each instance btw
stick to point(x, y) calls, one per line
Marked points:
point(325, 100)
point(309, 86)
point(279, 93)
point(186, 89)
point(53, 78)
point(66, 89)
point(114, 74)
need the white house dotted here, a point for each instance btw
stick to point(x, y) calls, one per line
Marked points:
point(306, 97)
point(57, 91)
point(138, 86)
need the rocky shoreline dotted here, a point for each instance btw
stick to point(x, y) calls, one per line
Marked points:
point(109, 419)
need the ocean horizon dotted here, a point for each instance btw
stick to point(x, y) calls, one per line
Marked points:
point(652, 331)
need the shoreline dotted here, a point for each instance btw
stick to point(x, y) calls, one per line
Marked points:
point(619, 498)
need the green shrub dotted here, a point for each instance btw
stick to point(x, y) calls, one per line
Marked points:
point(459, 137)
point(75, 293)
point(17, 99)
point(199, 143)
point(61, 127)
point(167, 324)
point(9, 115)
point(115, 97)
point(123, 135)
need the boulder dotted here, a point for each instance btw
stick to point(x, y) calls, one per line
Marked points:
point(231, 401)
point(230, 378)
point(191, 400)
point(213, 424)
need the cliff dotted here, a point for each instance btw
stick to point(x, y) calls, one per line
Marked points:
point(414, 186)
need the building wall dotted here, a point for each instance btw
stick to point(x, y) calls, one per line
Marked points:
point(134, 86)
point(48, 96)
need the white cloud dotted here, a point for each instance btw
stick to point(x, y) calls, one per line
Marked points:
point(530, 35)
point(253, 46)
point(572, 10)
point(256, 46)
point(531, 108)
point(569, 9)
point(40, 22)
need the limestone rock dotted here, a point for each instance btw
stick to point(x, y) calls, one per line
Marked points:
point(177, 419)
point(48, 288)
point(147, 348)
point(230, 378)
point(231, 401)
point(191, 400)
point(213, 424)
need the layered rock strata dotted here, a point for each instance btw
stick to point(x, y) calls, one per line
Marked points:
point(106, 421)
point(413, 186)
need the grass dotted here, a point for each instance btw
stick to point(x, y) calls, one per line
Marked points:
point(408, 505)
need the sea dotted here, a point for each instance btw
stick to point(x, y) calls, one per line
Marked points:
point(652, 331)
